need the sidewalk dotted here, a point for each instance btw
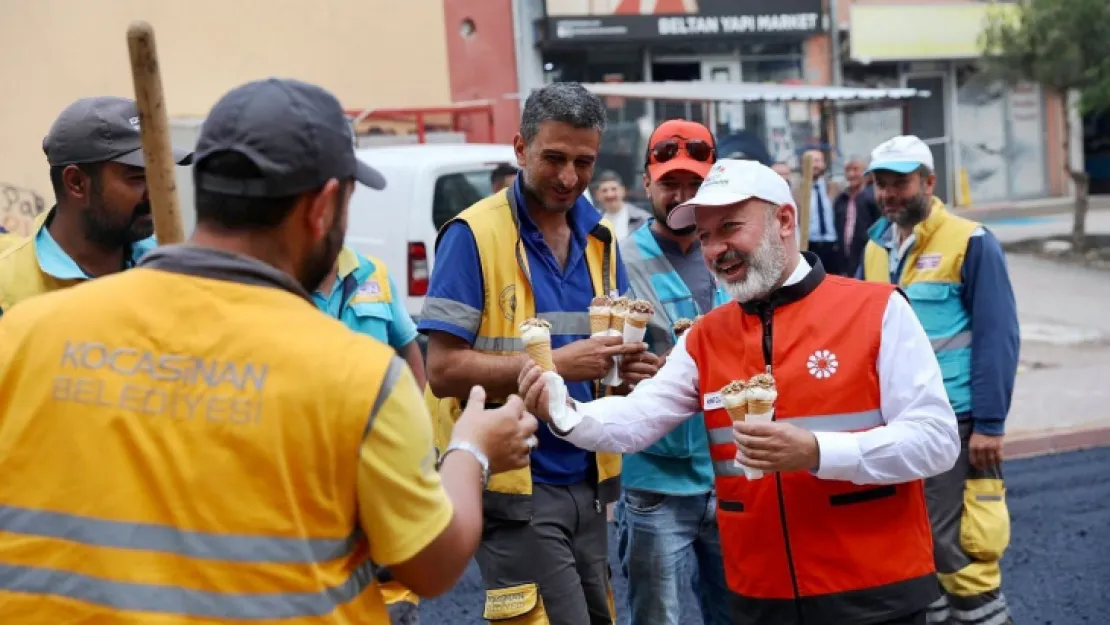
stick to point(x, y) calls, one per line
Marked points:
point(1062, 398)
point(1049, 206)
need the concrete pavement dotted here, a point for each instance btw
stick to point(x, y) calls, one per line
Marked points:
point(1065, 349)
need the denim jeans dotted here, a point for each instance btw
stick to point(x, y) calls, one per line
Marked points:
point(663, 541)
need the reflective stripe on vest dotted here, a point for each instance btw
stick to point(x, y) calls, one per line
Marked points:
point(847, 422)
point(931, 279)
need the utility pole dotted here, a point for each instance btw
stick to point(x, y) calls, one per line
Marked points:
point(834, 61)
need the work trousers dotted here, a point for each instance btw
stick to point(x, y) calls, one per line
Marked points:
point(971, 530)
point(562, 553)
point(666, 542)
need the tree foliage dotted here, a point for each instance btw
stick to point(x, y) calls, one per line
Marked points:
point(1061, 44)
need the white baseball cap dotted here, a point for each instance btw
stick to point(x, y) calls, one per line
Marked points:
point(903, 154)
point(730, 182)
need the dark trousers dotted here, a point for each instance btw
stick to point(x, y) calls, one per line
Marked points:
point(563, 549)
point(832, 259)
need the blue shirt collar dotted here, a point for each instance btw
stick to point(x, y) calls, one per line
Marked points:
point(54, 261)
point(583, 217)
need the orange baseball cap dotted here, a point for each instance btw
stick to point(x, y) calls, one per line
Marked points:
point(681, 130)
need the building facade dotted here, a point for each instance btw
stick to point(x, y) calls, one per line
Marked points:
point(991, 143)
point(370, 53)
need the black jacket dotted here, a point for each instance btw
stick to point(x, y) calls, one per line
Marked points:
point(867, 213)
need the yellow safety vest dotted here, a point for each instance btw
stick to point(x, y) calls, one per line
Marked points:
point(21, 277)
point(155, 535)
point(508, 302)
point(8, 239)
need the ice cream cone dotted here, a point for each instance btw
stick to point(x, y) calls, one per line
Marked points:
point(635, 321)
point(599, 323)
point(540, 353)
point(738, 412)
point(536, 336)
point(617, 322)
point(760, 406)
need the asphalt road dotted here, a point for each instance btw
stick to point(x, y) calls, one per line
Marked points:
point(1056, 572)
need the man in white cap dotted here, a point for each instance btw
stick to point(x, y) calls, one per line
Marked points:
point(954, 273)
point(835, 531)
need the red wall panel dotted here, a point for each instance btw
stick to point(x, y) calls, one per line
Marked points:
point(483, 64)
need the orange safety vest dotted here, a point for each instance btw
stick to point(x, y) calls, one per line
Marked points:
point(798, 549)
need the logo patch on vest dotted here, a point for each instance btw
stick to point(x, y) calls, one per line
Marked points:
point(507, 300)
point(928, 261)
point(712, 401)
point(822, 364)
point(370, 288)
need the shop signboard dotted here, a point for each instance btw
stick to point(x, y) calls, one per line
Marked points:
point(581, 21)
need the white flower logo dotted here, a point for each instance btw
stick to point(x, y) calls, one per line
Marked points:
point(822, 364)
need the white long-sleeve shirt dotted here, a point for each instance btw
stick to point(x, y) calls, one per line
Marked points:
point(919, 437)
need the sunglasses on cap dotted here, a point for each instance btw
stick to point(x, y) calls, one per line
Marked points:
point(667, 149)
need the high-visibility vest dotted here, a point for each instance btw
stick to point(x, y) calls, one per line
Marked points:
point(508, 302)
point(210, 482)
point(929, 274)
point(21, 277)
point(831, 551)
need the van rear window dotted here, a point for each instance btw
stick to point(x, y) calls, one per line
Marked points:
point(454, 193)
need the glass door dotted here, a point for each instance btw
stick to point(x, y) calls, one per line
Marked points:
point(725, 117)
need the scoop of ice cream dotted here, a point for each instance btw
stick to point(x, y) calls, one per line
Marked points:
point(762, 386)
point(641, 307)
point(682, 325)
point(601, 302)
point(535, 330)
point(734, 392)
point(620, 306)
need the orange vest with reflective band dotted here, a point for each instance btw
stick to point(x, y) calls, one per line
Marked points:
point(223, 487)
point(798, 549)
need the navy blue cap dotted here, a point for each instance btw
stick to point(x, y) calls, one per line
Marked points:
point(295, 133)
point(97, 130)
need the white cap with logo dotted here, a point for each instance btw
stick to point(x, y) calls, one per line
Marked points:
point(729, 182)
point(903, 154)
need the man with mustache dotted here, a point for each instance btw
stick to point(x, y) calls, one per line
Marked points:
point(835, 532)
point(536, 249)
point(954, 272)
point(195, 441)
point(666, 517)
point(101, 223)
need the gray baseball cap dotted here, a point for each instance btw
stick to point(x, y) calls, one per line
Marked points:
point(99, 129)
point(296, 133)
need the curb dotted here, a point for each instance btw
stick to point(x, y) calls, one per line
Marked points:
point(1033, 444)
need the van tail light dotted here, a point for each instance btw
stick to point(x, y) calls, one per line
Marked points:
point(418, 270)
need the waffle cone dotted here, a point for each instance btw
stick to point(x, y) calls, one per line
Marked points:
point(760, 406)
point(738, 413)
point(599, 323)
point(637, 322)
point(617, 323)
point(540, 353)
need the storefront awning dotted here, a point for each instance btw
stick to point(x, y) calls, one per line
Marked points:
point(748, 92)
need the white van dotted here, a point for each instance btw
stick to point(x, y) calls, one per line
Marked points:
point(426, 185)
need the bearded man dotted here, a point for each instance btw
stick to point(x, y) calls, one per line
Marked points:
point(101, 223)
point(822, 509)
point(954, 273)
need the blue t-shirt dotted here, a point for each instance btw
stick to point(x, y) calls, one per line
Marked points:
point(456, 295)
point(366, 306)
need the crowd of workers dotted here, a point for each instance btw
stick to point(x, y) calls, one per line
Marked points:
point(195, 442)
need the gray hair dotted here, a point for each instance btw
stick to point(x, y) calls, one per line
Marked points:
point(608, 176)
point(566, 102)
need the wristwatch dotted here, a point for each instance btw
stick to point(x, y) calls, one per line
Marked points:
point(473, 451)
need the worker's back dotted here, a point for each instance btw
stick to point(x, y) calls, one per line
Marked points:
point(185, 449)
